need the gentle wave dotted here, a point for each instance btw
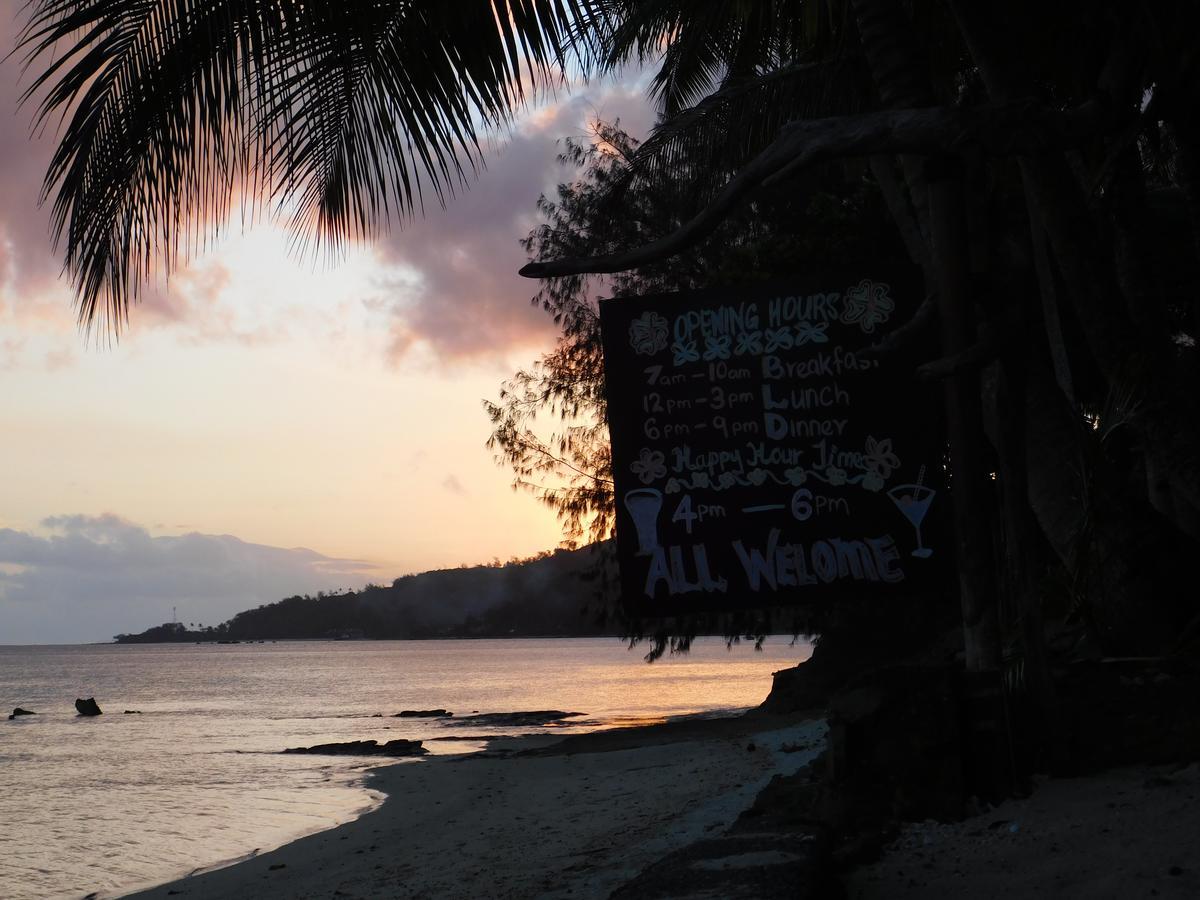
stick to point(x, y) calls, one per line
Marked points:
point(197, 780)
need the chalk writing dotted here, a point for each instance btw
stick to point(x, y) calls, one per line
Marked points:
point(761, 454)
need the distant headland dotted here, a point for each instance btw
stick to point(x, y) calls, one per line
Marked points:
point(553, 594)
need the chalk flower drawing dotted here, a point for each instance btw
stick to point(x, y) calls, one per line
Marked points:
point(778, 339)
point(672, 486)
point(835, 476)
point(684, 353)
point(796, 475)
point(757, 476)
point(880, 458)
point(872, 480)
point(727, 480)
point(748, 342)
point(700, 480)
point(811, 332)
point(649, 465)
point(716, 348)
point(648, 333)
point(868, 304)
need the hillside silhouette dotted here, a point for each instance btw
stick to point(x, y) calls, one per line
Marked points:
point(553, 594)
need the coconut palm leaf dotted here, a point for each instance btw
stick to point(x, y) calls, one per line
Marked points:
point(703, 43)
point(347, 115)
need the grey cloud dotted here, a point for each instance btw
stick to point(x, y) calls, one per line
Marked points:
point(470, 300)
point(92, 577)
point(33, 296)
point(27, 263)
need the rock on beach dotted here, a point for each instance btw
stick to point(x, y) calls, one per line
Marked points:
point(524, 719)
point(397, 747)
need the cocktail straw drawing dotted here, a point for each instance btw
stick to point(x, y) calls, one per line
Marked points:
point(644, 505)
point(913, 501)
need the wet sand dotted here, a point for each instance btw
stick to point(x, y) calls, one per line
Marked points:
point(526, 819)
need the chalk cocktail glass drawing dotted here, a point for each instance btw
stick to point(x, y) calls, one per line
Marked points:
point(644, 505)
point(913, 502)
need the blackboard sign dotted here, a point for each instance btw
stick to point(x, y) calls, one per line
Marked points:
point(760, 458)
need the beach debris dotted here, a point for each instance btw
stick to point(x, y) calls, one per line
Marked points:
point(133, 712)
point(22, 712)
point(523, 719)
point(87, 707)
point(423, 714)
point(398, 747)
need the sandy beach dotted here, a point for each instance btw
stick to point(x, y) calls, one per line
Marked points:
point(574, 819)
point(1129, 832)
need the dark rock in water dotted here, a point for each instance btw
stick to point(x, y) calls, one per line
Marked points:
point(22, 712)
point(520, 719)
point(133, 712)
point(423, 714)
point(87, 707)
point(364, 748)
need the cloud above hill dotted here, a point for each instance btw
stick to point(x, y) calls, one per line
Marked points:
point(447, 280)
point(469, 299)
point(86, 578)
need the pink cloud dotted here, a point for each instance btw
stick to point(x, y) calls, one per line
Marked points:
point(469, 300)
point(34, 299)
point(27, 262)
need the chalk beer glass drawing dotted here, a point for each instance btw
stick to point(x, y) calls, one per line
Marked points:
point(913, 501)
point(644, 505)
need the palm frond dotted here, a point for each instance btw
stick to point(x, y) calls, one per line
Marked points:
point(345, 114)
point(702, 43)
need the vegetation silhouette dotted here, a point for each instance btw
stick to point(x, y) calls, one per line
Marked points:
point(534, 597)
point(1041, 170)
point(1045, 181)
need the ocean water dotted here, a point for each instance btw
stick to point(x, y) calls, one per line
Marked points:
point(196, 779)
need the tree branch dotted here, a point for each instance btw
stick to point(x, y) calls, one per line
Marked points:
point(921, 323)
point(997, 129)
point(977, 354)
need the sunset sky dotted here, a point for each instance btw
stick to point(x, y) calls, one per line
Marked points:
point(260, 403)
